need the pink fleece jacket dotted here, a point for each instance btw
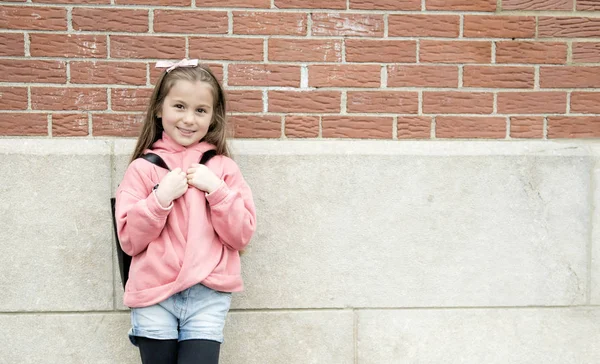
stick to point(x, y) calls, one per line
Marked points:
point(195, 240)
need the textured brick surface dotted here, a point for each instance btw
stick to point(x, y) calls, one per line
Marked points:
point(253, 126)
point(391, 51)
point(33, 18)
point(470, 127)
point(532, 102)
point(567, 27)
point(68, 45)
point(302, 102)
point(452, 102)
point(586, 52)
point(196, 21)
point(467, 5)
point(567, 77)
point(269, 23)
point(310, 4)
point(297, 126)
point(69, 125)
point(357, 127)
point(264, 75)
point(585, 102)
point(122, 73)
point(344, 75)
point(338, 24)
point(12, 44)
point(241, 49)
point(305, 50)
point(121, 125)
point(414, 127)
point(538, 4)
point(45, 98)
point(531, 53)
point(573, 127)
point(13, 98)
point(23, 124)
point(420, 25)
point(498, 77)
point(136, 99)
point(382, 102)
point(434, 51)
point(494, 26)
point(526, 127)
point(116, 20)
point(33, 71)
point(125, 46)
point(422, 76)
point(244, 100)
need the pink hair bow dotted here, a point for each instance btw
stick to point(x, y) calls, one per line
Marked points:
point(170, 66)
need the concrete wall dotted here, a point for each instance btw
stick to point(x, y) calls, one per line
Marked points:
point(366, 253)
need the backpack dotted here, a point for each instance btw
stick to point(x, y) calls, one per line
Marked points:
point(124, 259)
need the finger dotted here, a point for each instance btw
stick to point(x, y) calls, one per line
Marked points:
point(191, 170)
point(176, 170)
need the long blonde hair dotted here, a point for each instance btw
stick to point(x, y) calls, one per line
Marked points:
point(152, 127)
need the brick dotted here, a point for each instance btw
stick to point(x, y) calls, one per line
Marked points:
point(343, 24)
point(238, 49)
point(531, 52)
point(585, 102)
point(526, 127)
point(586, 5)
point(244, 100)
point(455, 51)
point(573, 126)
point(344, 75)
point(234, 3)
point(119, 73)
point(455, 102)
point(537, 4)
point(470, 127)
point(297, 126)
point(400, 102)
point(12, 44)
point(462, 5)
point(68, 45)
point(33, 18)
point(13, 98)
point(114, 20)
point(269, 23)
point(49, 98)
point(385, 51)
point(568, 27)
point(256, 126)
point(569, 77)
point(121, 125)
point(87, 2)
point(532, 102)
point(304, 101)
point(196, 21)
point(421, 25)
point(310, 4)
point(357, 127)
point(69, 125)
point(33, 71)
point(498, 77)
point(414, 127)
point(305, 50)
point(494, 26)
point(385, 4)
point(16, 124)
point(586, 52)
point(422, 76)
point(130, 99)
point(125, 46)
point(263, 75)
point(217, 70)
point(156, 2)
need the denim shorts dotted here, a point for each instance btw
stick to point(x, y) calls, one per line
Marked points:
point(195, 313)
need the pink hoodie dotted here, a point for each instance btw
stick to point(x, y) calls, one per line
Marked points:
point(196, 240)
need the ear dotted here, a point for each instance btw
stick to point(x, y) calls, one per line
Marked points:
point(159, 115)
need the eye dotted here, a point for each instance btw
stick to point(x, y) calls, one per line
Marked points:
point(178, 106)
point(200, 111)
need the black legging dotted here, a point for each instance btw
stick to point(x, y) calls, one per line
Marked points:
point(185, 352)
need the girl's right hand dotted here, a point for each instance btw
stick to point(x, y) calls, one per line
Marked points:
point(171, 187)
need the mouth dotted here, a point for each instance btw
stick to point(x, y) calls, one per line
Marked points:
point(186, 132)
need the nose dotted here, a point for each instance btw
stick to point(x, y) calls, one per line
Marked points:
point(188, 117)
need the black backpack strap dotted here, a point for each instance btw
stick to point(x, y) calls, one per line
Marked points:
point(207, 156)
point(156, 159)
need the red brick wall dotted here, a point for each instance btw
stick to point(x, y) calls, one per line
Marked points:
point(386, 69)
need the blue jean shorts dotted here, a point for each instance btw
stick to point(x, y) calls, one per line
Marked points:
point(195, 313)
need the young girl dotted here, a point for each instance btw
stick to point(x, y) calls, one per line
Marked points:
point(184, 228)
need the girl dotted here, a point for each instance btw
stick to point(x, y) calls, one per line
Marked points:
point(184, 228)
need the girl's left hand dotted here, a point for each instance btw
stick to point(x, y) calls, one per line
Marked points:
point(201, 177)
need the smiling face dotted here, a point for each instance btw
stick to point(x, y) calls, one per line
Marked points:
point(187, 111)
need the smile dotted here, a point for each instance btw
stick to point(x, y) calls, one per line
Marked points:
point(185, 131)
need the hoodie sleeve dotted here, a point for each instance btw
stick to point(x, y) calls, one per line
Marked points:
point(140, 217)
point(232, 208)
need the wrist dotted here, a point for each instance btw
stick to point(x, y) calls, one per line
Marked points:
point(215, 186)
point(164, 203)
